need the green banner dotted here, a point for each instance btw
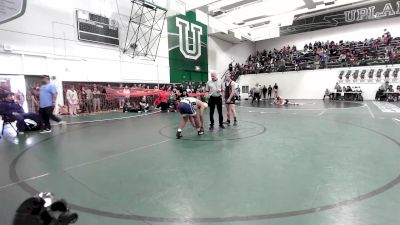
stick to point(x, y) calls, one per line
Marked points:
point(187, 44)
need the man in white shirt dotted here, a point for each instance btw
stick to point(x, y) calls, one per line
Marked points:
point(73, 101)
point(214, 89)
point(256, 93)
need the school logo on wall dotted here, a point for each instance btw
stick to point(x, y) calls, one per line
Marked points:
point(10, 10)
point(192, 51)
point(187, 43)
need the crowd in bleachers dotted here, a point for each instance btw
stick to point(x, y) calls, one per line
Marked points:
point(328, 54)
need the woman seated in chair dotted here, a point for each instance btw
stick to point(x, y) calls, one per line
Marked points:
point(11, 112)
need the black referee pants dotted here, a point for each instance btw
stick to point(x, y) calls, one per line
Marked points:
point(212, 102)
point(256, 96)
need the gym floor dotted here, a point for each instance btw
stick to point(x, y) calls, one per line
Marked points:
point(317, 163)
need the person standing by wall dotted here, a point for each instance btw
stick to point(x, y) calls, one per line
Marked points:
point(47, 102)
point(121, 98)
point(269, 92)
point(256, 93)
point(20, 98)
point(72, 98)
point(214, 88)
point(96, 99)
point(276, 88)
point(35, 100)
point(338, 90)
point(264, 91)
point(89, 100)
point(82, 100)
point(127, 93)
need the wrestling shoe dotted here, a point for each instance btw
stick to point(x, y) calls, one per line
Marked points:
point(45, 131)
point(228, 122)
point(201, 131)
point(235, 123)
point(179, 135)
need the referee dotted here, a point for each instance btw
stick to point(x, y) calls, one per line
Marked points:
point(214, 88)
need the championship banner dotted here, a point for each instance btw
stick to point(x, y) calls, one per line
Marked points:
point(187, 44)
point(10, 10)
point(369, 76)
point(369, 12)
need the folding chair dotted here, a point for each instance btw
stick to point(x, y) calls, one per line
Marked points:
point(9, 121)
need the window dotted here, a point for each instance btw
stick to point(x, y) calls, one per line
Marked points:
point(245, 89)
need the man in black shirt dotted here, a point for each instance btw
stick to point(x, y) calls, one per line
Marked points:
point(264, 91)
point(269, 92)
point(276, 90)
point(256, 93)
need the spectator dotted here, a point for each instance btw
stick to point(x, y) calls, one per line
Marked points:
point(297, 62)
point(256, 93)
point(121, 96)
point(144, 106)
point(20, 98)
point(381, 93)
point(385, 86)
point(82, 99)
point(14, 112)
point(327, 93)
point(96, 99)
point(73, 101)
point(264, 91)
point(347, 94)
point(316, 61)
point(47, 102)
point(251, 92)
point(89, 100)
point(35, 100)
point(338, 90)
point(104, 99)
point(276, 89)
point(269, 92)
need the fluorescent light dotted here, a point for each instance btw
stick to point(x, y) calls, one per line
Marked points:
point(221, 3)
point(264, 8)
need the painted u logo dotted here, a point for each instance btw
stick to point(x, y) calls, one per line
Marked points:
point(189, 51)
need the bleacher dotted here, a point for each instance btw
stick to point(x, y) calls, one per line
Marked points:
point(322, 55)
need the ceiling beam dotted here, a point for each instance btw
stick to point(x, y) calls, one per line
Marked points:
point(191, 5)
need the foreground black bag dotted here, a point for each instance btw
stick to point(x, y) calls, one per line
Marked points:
point(43, 210)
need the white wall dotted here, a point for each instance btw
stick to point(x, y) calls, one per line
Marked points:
point(220, 53)
point(311, 84)
point(355, 32)
point(44, 41)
